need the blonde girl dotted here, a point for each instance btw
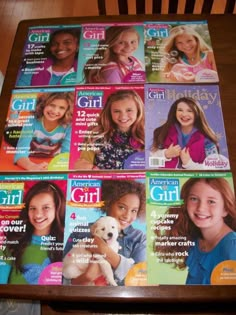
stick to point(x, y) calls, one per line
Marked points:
point(48, 132)
point(186, 54)
point(114, 59)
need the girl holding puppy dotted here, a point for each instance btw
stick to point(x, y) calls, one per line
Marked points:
point(125, 201)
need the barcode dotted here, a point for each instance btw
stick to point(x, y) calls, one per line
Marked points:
point(156, 162)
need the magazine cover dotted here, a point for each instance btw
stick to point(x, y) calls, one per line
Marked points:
point(38, 130)
point(105, 230)
point(50, 56)
point(32, 218)
point(108, 128)
point(191, 236)
point(111, 54)
point(179, 52)
point(185, 127)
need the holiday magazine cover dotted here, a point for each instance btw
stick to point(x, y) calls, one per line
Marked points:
point(191, 228)
point(50, 56)
point(185, 127)
point(32, 217)
point(179, 52)
point(105, 230)
point(111, 54)
point(37, 131)
point(108, 128)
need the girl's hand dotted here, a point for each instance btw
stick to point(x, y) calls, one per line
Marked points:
point(185, 156)
point(172, 151)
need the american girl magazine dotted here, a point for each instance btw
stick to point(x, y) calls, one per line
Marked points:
point(191, 236)
point(179, 52)
point(105, 230)
point(50, 56)
point(32, 218)
point(111, 54)
point(38, 130)
point(184, 128)
point(108, 128)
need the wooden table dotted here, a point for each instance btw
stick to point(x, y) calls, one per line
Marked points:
point(136, 300)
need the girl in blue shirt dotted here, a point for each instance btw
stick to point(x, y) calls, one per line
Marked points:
point(48, 132)
point(207, 221)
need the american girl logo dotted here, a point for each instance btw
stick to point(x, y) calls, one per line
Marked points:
point(157, 31)
point(23, 104)
point(85, 193)
point(164, 191)
point(96, 33)
point(11, 195)
point(39, 37)
point(91, 99)
point(156, 93)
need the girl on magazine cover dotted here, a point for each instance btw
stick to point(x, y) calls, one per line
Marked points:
point(207, 218)
point(119, 133)
point(185, 139)
point(186, 55)
point(43, 216)
point(125, 201)
point(61, 66)
point(116, 62)
point(49, 131)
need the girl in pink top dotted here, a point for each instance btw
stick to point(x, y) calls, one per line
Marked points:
point(116, 63)
point(187, 57)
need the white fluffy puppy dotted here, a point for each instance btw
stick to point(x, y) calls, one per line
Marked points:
point(78, 258)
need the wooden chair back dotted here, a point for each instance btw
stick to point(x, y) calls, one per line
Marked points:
point(130, 7)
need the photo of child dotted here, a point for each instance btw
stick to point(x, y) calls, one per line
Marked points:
point(186, 135)
point(43, 215)
point(119, 57)
point(206, 221)
point(118, 134)
point(58, 62)
point(48, 132)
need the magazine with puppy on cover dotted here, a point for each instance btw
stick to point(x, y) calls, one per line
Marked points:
point(32, 218)
point(185, 128)
point(108, 128)
point(105, 230)
point(179, 52)
point(191, 230)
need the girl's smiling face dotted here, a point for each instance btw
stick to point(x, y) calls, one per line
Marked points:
point(42, 213)
point(125, 210)
point(55, 110)
point(124, 113)
point(64, 45)
point(185, 115)
point(187, 44)
point(126, 45)
point(205, 206)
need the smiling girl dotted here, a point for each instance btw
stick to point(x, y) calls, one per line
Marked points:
point(114, 60)
point(125, 201)
point(186, 56)
point(186, 139)
point(43, 215)
point(119, 133)
point(207, 218)
point(48, 132)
